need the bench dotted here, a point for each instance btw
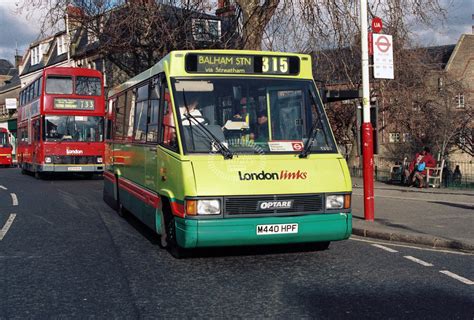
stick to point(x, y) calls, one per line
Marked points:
point(434, 175)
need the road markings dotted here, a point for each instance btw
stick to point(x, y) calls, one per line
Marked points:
point(2, 187)
point(356, 238)
point(384, 248)
point(455, 276)
point(7, 225)
point(423, 263)
point(14, 199)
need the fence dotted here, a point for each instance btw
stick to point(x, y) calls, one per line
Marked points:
point(451, 178)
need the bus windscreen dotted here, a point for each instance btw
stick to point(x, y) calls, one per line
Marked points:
point(269, 115)
point(59, 85)
point(88, 86)
point(74, 128)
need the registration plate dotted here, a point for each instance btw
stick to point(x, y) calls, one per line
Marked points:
point(264, 229)
point(74, 168)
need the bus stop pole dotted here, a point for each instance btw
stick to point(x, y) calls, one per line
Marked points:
point(367, 140)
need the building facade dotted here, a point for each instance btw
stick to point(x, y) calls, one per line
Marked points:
point(89, 42)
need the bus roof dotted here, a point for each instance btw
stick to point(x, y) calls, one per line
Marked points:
point(65, 71)
point(176, 63)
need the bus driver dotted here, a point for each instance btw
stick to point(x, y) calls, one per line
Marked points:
point(191, 108)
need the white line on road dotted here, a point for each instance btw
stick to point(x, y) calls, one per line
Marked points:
point(7, 225)
point(459, 278)
point(423, 263)
point(2, 187)
point(356, 238)
point(384, 248)
point(14, 199)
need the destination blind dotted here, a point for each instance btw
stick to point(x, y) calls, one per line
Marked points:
point(74, 104)
point(242, 64)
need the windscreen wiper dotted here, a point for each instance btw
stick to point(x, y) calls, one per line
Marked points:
point(315, 128)
point(208, 134)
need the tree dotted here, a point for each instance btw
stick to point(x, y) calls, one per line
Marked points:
point(330, 30)
point(133, 35)
point(255, 18)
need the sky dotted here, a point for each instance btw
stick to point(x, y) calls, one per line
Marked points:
point(18, 31)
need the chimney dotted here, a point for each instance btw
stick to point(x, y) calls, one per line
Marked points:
point(224, 8)
point(74, 17)
point(18, 59)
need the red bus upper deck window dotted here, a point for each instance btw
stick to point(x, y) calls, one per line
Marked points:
point(59, 85)
point(88, 86)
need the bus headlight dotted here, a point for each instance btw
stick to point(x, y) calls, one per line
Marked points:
point(338, 201)
point(47, 159)
point(99, 159)
point(203, 207)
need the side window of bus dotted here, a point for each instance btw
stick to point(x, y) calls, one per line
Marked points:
point(36, 130)
point(109, 123)
point(28, 96)
point(168, 128)
point(119, 117)
point(152, 119)
point(129, 115)
point(141, 114)
point(40, 84)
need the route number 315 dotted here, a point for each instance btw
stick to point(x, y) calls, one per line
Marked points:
point(275, 65)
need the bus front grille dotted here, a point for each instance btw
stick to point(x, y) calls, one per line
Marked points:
point(74, 159)
point(249, 205)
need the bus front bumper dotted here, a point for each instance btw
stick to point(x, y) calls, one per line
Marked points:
point(193, 233)
point(70, 168)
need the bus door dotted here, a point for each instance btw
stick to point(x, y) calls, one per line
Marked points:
point(152, 135)
point(35, 140)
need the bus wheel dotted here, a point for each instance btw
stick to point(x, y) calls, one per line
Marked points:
point(163, 238)
point(169, 241)
point(38, 175)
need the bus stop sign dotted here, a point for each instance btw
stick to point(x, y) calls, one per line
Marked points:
point(376, 25)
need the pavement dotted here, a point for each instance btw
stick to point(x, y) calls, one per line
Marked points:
point(435, 217)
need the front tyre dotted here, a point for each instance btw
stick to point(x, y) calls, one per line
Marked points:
point(168, 238)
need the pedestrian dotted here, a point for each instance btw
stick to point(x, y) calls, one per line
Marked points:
point(457, 176)
point(416, 172)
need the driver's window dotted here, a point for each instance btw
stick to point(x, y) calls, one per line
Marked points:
point(168, 127)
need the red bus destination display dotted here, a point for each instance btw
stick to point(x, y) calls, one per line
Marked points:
point(74, 104)
point(242, 64)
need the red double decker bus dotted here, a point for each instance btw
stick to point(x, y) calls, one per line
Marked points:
point(5, 148)
point(61, 122)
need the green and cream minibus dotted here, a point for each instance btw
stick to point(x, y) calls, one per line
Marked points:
point(227, 148)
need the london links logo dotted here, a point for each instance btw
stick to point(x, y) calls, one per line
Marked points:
point(282, 175)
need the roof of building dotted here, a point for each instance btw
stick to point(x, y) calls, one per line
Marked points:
point(438, 56)
point(6, 67)
point(466, 39)
point(11, 83)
